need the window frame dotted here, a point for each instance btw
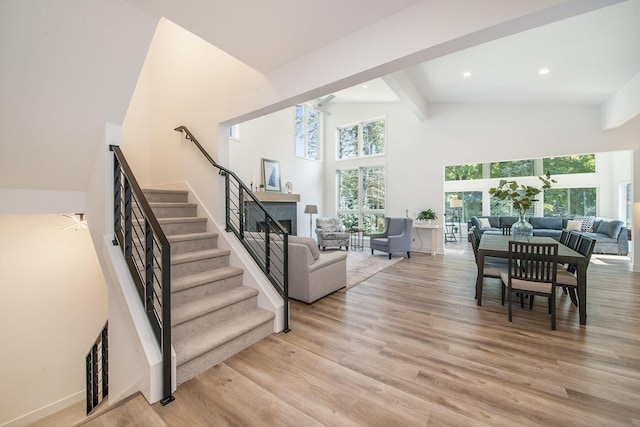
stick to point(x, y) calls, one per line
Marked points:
point(360, 140)
point(305, 133)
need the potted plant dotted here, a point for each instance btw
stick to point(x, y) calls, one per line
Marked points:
point(522, 198)
point(427, 215)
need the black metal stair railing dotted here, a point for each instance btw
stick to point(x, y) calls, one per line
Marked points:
point(263, 236)
point(97, 370)
point(147, 252)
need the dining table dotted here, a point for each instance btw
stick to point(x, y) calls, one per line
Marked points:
point(497, 245)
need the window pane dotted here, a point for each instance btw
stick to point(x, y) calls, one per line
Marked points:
point(463, 172)
point(372, 223)
point(570, 164)
point(471, 204)
point(347, 142)
point(348, 189)
point(570, 201)
point(373, 188)
point(373, 138)
point(312, 135)
point(556, 202)
point(512, 169)
point(299, 130)
point(349, 220)
point(582, 201)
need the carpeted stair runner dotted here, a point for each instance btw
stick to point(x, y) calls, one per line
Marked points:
point(213, 315)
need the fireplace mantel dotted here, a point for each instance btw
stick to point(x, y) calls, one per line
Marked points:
point(272, 196)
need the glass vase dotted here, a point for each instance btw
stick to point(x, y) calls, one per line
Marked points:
point(522, 228)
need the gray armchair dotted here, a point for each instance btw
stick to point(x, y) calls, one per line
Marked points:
point(331, 232)
point(396, 237)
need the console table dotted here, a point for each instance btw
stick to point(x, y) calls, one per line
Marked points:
point(424, 226)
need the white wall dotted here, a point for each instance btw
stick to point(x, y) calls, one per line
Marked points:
point(53, 306)
point(272, 137)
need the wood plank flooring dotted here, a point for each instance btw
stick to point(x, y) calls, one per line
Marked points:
point(410, 347)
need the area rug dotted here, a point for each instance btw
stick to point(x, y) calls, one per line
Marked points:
point(361, 265)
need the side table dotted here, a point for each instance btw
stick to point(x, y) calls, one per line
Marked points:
point(356, 238)
point(422, 226)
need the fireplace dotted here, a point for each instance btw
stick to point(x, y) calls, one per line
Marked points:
point(286, 213)
point(286, 224)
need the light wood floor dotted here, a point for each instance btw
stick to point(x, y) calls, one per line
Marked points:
point(411, 347)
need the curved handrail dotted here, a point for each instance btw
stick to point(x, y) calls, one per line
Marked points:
point(269, 248)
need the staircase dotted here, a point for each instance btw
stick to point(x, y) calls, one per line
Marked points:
point(213, 316)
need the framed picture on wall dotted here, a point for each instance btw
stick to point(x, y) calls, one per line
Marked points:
point(271, 175)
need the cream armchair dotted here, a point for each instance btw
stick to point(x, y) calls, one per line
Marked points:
point(331, 232)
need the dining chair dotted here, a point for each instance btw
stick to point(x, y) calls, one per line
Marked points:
point(564, 237)
point(573, 240)
point(493, 267)
point(506, 230)
point(567, 276)
point(532, 270)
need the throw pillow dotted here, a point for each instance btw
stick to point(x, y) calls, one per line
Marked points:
point(574, 225)
point(587, 222)
point(610, 227)
point(484, 223)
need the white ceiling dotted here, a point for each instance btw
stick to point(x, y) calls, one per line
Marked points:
point(589, 56)
point(269, 34)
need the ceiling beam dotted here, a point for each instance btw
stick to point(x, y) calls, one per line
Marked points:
point(623, 105)
point(408, 92)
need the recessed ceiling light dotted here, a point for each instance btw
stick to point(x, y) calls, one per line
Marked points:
point(467, 74)
point(364, 86)
point(543, 71)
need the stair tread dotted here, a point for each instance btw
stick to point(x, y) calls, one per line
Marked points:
point(172, 204)
point(161, 191)
point(196, 345)
point(167, 220)
point(202, 306)
point(197, 279)
point(198, 255)
point(174, 238)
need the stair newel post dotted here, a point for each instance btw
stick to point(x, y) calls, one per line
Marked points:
point(166, 323)
point(285, 273)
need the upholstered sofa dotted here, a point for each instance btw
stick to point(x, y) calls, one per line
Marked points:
point(610, 234)
point(312, 274)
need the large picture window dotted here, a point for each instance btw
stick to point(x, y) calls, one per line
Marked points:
point(306, 133)
point(361, 198)
point(361, 140)
point(570, 201)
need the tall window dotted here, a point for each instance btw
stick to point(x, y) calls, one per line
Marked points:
point(361, 140)
point(463, 172)
point(512, 169)
point(361, 198)
point(306, 133)
point(471, 204)
point(234, 132)
point(570, 201)
point(569, 164)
